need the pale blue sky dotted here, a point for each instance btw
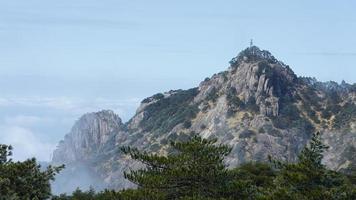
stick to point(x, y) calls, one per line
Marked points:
point(61, 58)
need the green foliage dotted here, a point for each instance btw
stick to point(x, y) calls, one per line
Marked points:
point(155, 97)
point(78, 194)
point(163, 115)
point(249, 181)
point(92, 195)
point(24, 180)
point(311, 98)
point(212, 95)
point(252, 54)
point(312, 155)
point(264, 68)
point(195, 168)
point(289, 117)
point(288, 114)
point(309, 178)
point(282, 87)
point(224, 75)
point(311, 103)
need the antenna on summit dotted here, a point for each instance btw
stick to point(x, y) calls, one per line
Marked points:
point(251, 42)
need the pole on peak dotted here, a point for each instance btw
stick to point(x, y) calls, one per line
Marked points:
point(251, 42)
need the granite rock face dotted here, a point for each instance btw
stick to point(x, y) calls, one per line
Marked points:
point(258, 106)
point(92, 134)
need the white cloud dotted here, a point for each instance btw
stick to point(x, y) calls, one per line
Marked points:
point(34, 125)
point(22, 120)
point(26, 144)
point(72, 105)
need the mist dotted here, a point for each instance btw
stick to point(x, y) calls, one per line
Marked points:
point(75, 176)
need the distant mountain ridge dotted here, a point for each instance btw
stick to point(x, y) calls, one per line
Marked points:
point(258, 106)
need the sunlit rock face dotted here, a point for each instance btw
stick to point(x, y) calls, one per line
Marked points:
point(90, 135)
point(258, 106)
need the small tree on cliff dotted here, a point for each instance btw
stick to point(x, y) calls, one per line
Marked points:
point(194, 169)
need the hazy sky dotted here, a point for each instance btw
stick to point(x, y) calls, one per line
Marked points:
point(62, 58)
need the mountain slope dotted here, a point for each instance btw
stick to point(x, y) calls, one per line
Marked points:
point(258, 106)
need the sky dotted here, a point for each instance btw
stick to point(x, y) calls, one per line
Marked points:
point(60, 59)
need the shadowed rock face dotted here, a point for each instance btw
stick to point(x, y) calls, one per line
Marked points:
point(258, 106)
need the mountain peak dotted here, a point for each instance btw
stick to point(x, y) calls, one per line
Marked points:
point(261, 62)
point(252, 54)
point(257, 78)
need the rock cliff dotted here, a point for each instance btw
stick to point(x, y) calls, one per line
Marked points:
point(91, 135)
point(258, 106)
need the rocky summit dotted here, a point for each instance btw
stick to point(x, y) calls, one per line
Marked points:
point(258, 106)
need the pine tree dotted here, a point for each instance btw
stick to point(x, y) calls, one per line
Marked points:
point(309, 178)
point(249, 180)
point(24, 180)
point(194, 169)
point(312, 155)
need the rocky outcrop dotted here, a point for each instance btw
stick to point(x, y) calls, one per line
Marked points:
point(92, 134)
point(258, 106)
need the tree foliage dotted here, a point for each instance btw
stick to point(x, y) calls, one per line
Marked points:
point(195, 168)
point(165, 113)
point(309, 178)
point(24, 180)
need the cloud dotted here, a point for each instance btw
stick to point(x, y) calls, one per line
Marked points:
point(73, 106)
point(34, 125)
point(22, 120)
point(26, 144)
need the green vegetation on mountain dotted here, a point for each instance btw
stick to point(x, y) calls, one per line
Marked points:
point(164, 114)
point(155, 97)
point(289, 117)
